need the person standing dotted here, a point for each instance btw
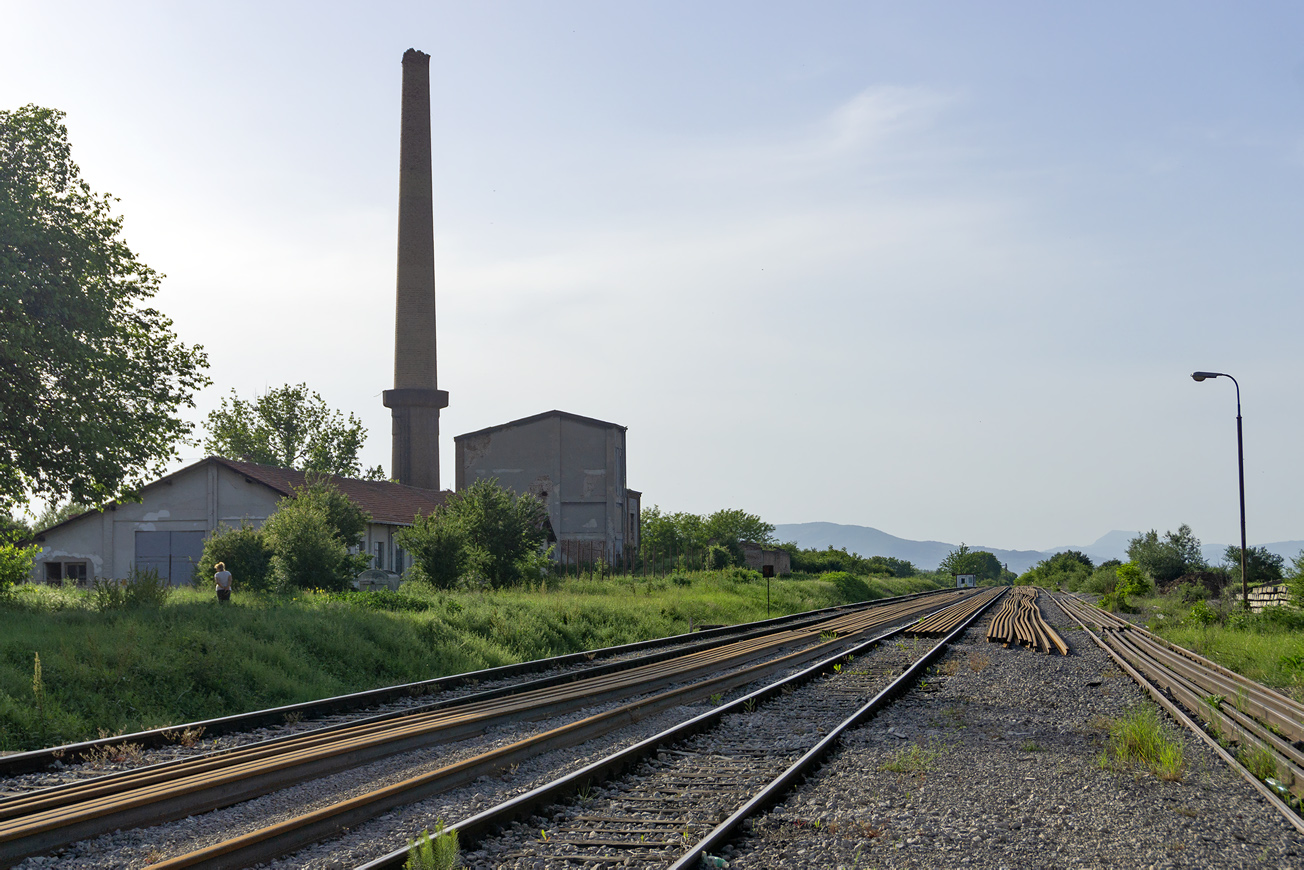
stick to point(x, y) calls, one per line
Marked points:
point(222, 578)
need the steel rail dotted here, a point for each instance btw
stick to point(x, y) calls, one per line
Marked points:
point(41, 759)
point(1246, 730)
point(1183, 718)
point(476, 828)
point(296, 833)
point(157, 801)
point(945, 620)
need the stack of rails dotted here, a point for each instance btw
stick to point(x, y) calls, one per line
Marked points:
point(944, 622)
point(1019, 621)
point(1232, 706)
point(45, 820)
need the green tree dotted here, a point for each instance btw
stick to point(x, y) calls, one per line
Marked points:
point(980, 563)
point(93, 378)
point(55, 514)
point(438, 546)
point(289, 427)
point(15, 563)
point(500, 529)
point(245, 553)
point(310, 535)
point(732, 525)
point(1261, 566)
point(1167, 558)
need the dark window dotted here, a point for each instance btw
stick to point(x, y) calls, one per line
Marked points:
point(54, 573)
point(380, 555)
point(76, 572)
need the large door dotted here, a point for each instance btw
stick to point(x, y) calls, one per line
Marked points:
point(172, 554)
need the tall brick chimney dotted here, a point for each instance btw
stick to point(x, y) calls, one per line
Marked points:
point(415, 401)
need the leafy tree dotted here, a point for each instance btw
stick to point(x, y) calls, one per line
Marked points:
point(1067, 570)
point(736, 526)
point(289, 427)
point(982, 564)
point(309, 538)
point(13, 529)
point(1166, 559)
point(664, 533)
point(245, 553)
point(438, 547)
point(1261, 566)
point(500, 528)
point(55, 514)
point(93, 379)
point(1295, 578)
point(15, 563)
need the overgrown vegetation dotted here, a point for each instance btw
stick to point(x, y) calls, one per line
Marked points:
point(1139, 738)
point(438, 851)
point(143, 666)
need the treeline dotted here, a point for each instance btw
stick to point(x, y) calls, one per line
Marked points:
point(1171, 562)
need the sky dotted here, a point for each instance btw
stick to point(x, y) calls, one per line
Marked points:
point(939, 268)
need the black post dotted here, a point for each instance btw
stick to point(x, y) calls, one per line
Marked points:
point(1240, 467)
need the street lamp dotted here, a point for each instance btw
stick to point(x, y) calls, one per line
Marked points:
point(1240, 466)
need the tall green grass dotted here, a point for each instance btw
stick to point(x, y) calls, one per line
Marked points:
point(145, 667)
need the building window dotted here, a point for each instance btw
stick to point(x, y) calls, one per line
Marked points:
point(75, 572)
point(400, 559)
point(54, 573)
point(380, 555)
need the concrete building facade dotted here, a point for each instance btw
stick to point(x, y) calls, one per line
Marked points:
point(576, 466)
point(165, 531)
point(770, 561)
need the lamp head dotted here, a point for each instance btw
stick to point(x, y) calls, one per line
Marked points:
point(1200, 376)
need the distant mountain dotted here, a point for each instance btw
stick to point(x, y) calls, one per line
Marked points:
point(928, 554)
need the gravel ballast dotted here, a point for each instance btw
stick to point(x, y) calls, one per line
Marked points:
point(1003, 766)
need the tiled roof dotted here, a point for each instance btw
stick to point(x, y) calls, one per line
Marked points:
point(387, 502)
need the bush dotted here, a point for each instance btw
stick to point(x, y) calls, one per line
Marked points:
point(15, 563)
point(849, 586)
point(143, 588)
point(306, 553)
point(1190, 592)
point(718, 557)
point(1102, 580)
point(438, 548)
point(245, 554)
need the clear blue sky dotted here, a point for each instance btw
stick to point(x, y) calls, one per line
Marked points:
point(939, 268)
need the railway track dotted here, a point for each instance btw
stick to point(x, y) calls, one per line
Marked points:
point(1266, 726)
point(670, 800)
point(1019, 621)
point(43, 821)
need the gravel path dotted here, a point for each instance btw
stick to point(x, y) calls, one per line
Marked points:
point(1001, 756)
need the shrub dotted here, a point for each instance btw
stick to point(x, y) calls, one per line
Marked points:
point(718, 557)
point(244, 552)
point(850, 587)
point(438, 548)
point(142, 588)
point(306, 553)
point(15, 563)
point(1190, 592)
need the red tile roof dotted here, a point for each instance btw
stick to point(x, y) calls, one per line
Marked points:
point(387, 502)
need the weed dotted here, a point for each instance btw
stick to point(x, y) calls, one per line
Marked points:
point(585, 793)
point(716, 699)
point(979, 662)
point(1032, 746)
point(949, 668)
point(1258, 760)
point(1188, 812)
point(1139, 738)
point(113, 753)
point(912, 759)
point(828, 635)
point(38, 690)
point(294, 717)
point(837, 669)
point(749, 706)
point(437, 852)
point(187, 737)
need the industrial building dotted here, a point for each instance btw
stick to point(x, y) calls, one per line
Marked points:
point(576, 466)
point(165, 530)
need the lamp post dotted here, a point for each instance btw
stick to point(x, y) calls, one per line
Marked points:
point(1240, 467)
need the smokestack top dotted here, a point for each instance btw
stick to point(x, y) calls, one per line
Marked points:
point(414, 56)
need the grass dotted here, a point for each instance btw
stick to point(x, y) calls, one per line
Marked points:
point(915, 758)
point(129, 669)
point(434, 852)
point(1139, 738)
